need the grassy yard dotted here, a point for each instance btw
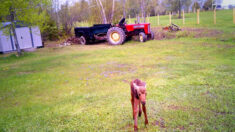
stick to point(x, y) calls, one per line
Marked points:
point(86, 88)
point(190, 85)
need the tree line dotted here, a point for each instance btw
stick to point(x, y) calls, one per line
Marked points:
point(111, 11)
point(57, 19)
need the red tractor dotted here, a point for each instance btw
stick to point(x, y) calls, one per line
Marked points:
point(118, 34)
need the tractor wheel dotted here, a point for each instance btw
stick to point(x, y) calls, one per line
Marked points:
point(116, 36)
point(82, 40)
point(142, 37)
point(152, 35)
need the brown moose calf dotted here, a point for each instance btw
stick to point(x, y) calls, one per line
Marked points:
point(138, 97)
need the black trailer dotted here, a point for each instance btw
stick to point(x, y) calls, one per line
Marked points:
point(91, 34)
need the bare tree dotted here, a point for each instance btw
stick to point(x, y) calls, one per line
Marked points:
point(112, 10)
point(176, 5)
point(102, 11)
point(179, 2)
point(142, 7)
point(64, 13)
point(124, 8)
point(55, 14)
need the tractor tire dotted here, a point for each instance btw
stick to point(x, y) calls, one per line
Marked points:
point(82, 40)
point(152, 35)
point(142, 37)
point(116, 36)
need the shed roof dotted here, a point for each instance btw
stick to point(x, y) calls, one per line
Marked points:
point(18, 24)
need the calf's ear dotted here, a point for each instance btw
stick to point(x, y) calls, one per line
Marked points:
point(136, 87)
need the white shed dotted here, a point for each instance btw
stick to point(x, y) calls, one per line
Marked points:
point(28, 37)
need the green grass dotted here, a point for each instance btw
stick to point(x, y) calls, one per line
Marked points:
point(190, 85)
point(85, 88)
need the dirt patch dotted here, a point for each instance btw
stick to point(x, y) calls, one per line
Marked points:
point(181, 127)
point(117, 69)
point(160, 123)
point(183, 108)
point(90, 46)
point(209, 94)
point(130, 128)
point(185, 32)
point(61, 43)
point(223, 113)
point(51, 44)
point(159, 34)
point(126, 81)
point(203, 32)
point(205, 93)
point(221, 46)
point(25, 73)
point(116, 73)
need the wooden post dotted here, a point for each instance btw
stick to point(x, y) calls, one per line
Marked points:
point(233, 15)
point(148, 18)
point(142, 18)
point(170, 17)
point(138, 19)
point(183, 18)
point(147, 21)
point(129, 19)
point(158, 23)
point(215, 16)
point(198, 18)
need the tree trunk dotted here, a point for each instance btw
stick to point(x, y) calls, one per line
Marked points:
point(112, 11)
point(142, 5)
point(14, 32)
point(124, 8)
point(57, 14)
point(102, 11)
point(67, 17)
point(179, 9)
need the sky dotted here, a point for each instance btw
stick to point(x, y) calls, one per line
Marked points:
point(70, 1)
point(228, 2)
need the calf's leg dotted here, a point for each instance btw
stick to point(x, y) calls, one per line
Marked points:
point(136, 103)
point(145, 114)
point(140, 111)
point(132, 103)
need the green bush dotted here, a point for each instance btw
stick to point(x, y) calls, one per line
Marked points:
point(51, 32)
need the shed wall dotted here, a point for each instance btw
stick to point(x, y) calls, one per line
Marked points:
point(36, 35)
point(6, 44)
point(0, 44)
point(24, 38)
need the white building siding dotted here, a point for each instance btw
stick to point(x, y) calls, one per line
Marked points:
point(0, 43)
point(37, 41)
point(5, 42)
point(23, 37)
